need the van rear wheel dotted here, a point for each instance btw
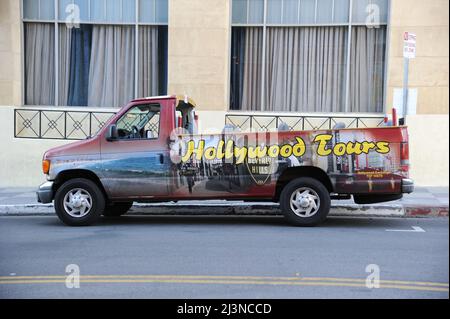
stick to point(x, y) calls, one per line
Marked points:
point(79, 202)
point(305, 202)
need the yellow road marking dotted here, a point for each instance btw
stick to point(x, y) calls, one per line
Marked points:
point(230, 280)
point(234, 282)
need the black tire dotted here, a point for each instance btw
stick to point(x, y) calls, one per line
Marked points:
point(97, 202)
point(313, 186)
point(117, 209)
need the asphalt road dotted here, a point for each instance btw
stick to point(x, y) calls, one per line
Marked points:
point(224, 257)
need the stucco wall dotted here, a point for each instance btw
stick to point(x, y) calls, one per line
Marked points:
point(198, 52)
point(429, 20)
point(428, 136)
point(10, 56)
point(20, 159)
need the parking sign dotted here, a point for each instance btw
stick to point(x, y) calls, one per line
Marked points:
point(409, 45)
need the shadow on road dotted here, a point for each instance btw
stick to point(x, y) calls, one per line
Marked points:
point(265, 221)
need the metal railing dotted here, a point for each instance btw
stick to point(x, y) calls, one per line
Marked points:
point(78, 125)
point(58, 125)
point(299, 123)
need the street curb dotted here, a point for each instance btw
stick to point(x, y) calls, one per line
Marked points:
point(421, 211)
point(243, 209)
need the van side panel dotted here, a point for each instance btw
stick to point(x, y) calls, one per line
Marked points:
point(357, 161)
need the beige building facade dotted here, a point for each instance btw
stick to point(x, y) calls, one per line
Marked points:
point(199, 59)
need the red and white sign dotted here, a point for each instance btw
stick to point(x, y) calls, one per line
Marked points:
point(409, 45)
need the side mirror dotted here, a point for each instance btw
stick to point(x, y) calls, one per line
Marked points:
point(112, 134)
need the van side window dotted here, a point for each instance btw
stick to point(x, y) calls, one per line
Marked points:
point(140, 122)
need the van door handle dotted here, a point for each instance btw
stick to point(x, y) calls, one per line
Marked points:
point(161, 158)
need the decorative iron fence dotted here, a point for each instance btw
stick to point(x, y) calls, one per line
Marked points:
point(78, 125)
point(299, 123)
point(55, 124)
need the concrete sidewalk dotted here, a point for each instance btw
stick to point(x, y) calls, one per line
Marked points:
point(425, 201)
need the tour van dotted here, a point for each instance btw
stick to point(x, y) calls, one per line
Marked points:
point(150, 151)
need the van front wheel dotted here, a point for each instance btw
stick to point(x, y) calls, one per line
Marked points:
point(79, 202)
point(305, 202)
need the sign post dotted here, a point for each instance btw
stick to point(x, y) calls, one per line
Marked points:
point(409, 52)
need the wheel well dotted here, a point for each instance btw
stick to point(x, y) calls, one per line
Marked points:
point(292, 173)
point(64, 176)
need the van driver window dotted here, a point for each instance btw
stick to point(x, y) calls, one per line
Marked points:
point(140, 122)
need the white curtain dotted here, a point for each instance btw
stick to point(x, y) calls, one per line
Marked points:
point(65, 40)
point(367, 69)
point(148, 61)
point(305, 69)
point(251, 95)
point(112, 71)
point(39, 64)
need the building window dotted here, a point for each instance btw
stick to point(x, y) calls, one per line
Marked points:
point(308, 55)
point(95, 52)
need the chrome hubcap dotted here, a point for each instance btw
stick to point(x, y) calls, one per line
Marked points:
point(305, 202)
point(77, 202)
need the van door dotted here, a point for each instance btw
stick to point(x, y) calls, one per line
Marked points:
point(137, 164)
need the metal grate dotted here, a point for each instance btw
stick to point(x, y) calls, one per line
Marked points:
point(58, 125)
point(78, 125)
point(299, 123)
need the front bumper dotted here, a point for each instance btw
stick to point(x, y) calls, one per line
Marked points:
point(407, 186)
point(45, 193)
